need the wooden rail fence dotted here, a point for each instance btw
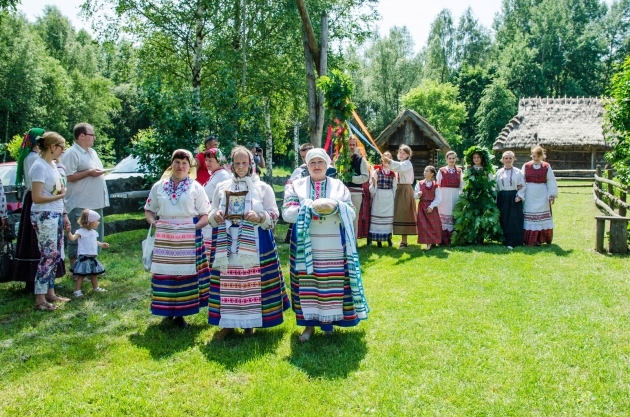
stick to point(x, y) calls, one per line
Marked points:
point(618, 236)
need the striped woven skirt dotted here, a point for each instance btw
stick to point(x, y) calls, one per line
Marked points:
point(248, 298)
point(323, 298)
point(404, 211)
point(179, 269)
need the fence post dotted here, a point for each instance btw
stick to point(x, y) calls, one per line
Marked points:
point(599, 237)
point(622, 209)
point(611, 188)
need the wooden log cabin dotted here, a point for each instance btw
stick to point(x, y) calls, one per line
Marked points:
point(413, 130)
point(570, 130)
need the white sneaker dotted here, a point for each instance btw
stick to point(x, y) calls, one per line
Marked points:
point(510, 247)
point(78, 294)
point(99, 289)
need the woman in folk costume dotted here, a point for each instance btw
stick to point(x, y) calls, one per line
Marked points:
point(510, 195)
point(179, 266)
point(383, 186)
point(404, 204)
point(451, 181)
point(540, 193)
point(246, 285)
point(27, 254)
point(477, 217)
point(429, 195)
point(326, 285)
point(214, 161)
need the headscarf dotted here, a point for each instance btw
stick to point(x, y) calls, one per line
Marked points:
point(93, 216)
point(317, 153)
point(30, 140)
point(216, 154)
point(177, 154)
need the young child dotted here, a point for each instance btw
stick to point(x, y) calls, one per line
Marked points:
point(404, 204)
point(86, 263)
point(429, 224)
point(383, 186)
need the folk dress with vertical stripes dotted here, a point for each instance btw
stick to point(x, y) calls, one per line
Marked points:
point(451, 182)
point(383, 191)
point(247, 288)
point(216, 177)
point(327, 296)
point(179, 258)
point(541, 185)
point(429, 227)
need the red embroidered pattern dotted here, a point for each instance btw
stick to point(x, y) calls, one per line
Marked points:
point(450, 180)
point(536, 176)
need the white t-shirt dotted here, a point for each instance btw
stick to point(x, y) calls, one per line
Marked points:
point(50, 177)
point(89, 192)
point(87, 242)
point(28, 163)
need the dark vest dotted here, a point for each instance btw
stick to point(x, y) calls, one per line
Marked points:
point(355, 163)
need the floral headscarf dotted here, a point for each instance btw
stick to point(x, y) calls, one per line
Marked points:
point(30, 140)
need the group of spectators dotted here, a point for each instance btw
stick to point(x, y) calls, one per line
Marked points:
point(61, 186)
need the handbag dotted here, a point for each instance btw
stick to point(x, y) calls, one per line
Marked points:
point(147, 249)
point(7, 253)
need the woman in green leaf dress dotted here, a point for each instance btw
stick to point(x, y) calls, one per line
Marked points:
point(477, 217)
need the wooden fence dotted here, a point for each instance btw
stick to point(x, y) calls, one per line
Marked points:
point(608, 200)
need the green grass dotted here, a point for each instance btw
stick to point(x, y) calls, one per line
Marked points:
point(465, 331)
point(136, 215)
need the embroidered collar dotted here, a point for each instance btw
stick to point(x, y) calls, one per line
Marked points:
point(175, 192)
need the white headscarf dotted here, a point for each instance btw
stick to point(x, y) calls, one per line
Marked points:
point(317, 153)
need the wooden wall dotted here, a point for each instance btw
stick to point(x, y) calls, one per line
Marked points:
point(560, 158)
point(423, 149)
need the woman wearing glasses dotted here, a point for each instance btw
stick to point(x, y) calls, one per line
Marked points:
point(47, 217)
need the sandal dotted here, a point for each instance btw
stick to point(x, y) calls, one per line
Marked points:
point(45, 306)
point(402, 246)
point(57, 298)
point(306, 334)
point(248, 331)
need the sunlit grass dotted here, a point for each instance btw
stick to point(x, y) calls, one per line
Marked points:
point(475, 330)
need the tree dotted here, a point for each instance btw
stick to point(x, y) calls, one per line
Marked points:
point(439, 54)
point(496, 107)
point(617, 118)
point(438, 103)
point(471, 82)
point(472, 41)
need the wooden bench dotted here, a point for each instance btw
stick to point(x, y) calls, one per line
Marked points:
point(618, 242)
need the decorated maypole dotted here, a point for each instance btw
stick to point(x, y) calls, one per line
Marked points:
point(338, 88)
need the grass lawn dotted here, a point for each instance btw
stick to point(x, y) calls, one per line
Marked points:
point(475, 330)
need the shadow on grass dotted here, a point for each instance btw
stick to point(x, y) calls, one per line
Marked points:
point(329, 357)
point(164, 339)
point(412, 252)
point(525, 250)
point(238, 349)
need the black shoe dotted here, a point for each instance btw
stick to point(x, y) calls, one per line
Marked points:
point(369, 242)
point(180, 322)
point(389, 242)
point(379, 244)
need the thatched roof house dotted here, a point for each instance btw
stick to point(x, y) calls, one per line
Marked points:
point(570, 130)
point(411, 129)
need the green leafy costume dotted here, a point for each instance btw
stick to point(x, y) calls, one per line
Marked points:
point(477, 217)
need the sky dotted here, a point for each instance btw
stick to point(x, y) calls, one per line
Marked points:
point(416, 15)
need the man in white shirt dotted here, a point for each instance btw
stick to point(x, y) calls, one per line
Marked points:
point(86, 188)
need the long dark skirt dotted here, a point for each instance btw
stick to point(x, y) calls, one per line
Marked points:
point(512, 218)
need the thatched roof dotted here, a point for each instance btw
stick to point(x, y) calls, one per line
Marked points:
point(559, 122)
point(423, 125)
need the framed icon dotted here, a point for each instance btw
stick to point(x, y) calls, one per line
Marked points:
point(235, 205)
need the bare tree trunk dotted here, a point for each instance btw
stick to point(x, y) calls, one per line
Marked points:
point(269, 136)
point(244, 45)
point(313, 114)
point(296, 143)
point(308, 30)
point(323, 70)
point(196, 70)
